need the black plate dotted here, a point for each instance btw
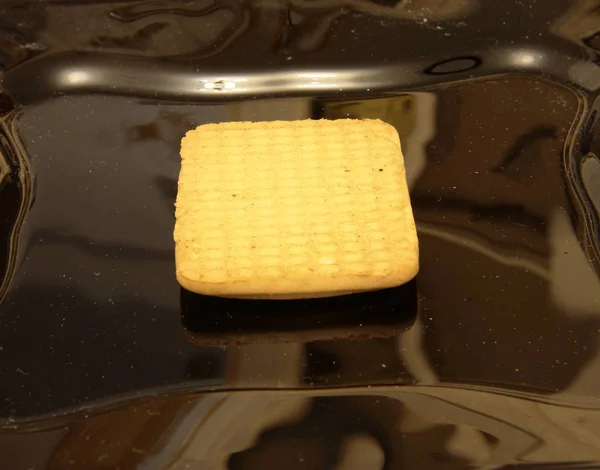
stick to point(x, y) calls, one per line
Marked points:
point(490, 360)
point(217, 321)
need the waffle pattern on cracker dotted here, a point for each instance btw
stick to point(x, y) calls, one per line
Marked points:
point(295, 209)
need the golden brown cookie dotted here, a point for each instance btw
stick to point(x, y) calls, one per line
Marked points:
point(294, 209)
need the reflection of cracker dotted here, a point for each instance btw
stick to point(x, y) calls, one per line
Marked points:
point(579, 21)
point(210, 320)
point(239, 338)
point(293, 209)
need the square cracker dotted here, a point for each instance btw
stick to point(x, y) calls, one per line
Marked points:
point(292, 209)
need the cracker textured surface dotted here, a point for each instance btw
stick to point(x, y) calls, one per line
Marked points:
point(293, 209)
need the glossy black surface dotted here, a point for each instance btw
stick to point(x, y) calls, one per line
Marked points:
point(496, 106)
point(218, 321)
